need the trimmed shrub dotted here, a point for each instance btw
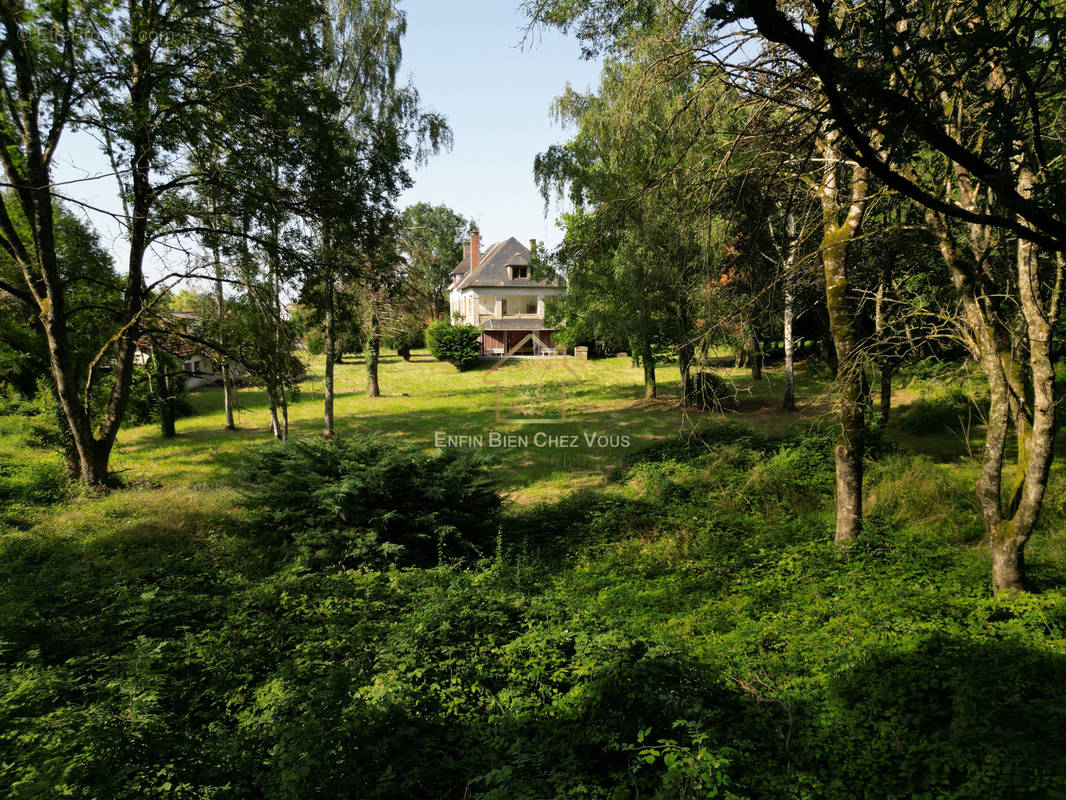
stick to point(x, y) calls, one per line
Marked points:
point(459, 345)
point(406, 339)
point(365, 503)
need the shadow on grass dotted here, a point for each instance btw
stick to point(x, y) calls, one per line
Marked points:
point(952, 717)
point(433, 685)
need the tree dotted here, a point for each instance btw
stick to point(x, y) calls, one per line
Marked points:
point(92, 293)
point(636, 245)
point(972, 91)
point(431, 241)
point(372, 128)
point(266, 347)
point(154, 81)
point(44, 89)
point(955, 105)
point(842, 213)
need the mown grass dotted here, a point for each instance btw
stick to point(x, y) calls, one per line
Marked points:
point(668, 620)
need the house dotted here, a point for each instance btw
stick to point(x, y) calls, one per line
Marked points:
point(497, 291)
point(198, 367)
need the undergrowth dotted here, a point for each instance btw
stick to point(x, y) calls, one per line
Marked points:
point(688, 631)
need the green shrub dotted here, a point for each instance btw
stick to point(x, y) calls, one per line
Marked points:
point(459, 345)
point(695, 444)
point(143, 407)
point(951, 411)
point(799, 475)
point(913, 493)
point(410, 336)
point(34, 483)
point(710, 391)
point(12, 403)
point(315, 341)
point(362, 502)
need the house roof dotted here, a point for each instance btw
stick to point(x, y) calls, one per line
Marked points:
point(166, 329)
point(463, 267)
point(516, 324)
point(493, 266)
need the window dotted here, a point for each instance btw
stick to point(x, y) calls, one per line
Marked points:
point(519, 272)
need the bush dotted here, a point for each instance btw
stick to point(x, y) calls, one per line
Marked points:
point(12, 403)
point(315, 341)
point(143, 407)
point(913, 493)
point(405, 340)
point(947, 411)
point(799, 475)
point(710, 391)
point(459, 345)
point(34, 483)
point(362, 502)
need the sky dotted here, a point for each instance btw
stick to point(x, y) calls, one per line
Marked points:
point(469, 63)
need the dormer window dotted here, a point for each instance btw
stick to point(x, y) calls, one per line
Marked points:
point(519, 272)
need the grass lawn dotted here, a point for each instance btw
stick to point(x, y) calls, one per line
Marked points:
point(188, 481)
point(422, 399)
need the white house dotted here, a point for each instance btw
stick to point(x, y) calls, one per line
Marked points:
point(496, 291)
point(197, 362)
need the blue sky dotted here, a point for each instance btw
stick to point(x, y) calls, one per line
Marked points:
point(469, 63)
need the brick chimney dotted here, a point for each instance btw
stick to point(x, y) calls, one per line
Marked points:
point(466, 248)
point(475, 249)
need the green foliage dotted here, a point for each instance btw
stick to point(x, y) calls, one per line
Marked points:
point(690, 631)
point(459, 345)
point(144, 404)
point(364, 503)
point(315, 341)
point(692, 769)
point(13, 403)
point(38, 482)
point(432, 239)
point(912, 493)
point(408, 335)
point(710, 391)
point(950, 410)
point(89, 278)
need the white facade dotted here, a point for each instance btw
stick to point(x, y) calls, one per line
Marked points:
point(477, 305)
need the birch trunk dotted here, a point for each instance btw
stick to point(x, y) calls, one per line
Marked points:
point(331, 353)
point(373, 353)
point(789, 403)
point(224, 367)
